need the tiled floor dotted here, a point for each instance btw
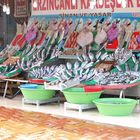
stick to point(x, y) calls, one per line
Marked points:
point(58, 109)
point(16, 124)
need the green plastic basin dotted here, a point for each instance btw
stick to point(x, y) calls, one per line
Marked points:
point(78, 96)
point(115, 106)
point(38, 93)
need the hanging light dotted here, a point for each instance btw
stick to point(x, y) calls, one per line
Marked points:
point(124, 3)
point(73, 2)
point(7, 10)
point(119, 1)
point(100, 2)
point(4, 7)
point(35, 4)
point(92, 4)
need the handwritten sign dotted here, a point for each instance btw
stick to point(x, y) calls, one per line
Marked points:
point(21, 8)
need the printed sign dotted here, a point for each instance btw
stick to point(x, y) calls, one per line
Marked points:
point(21, 8)
point(49, 7)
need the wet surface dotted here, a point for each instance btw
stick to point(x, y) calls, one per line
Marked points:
point(17, 124)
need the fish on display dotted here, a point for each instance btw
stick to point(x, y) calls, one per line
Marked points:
point(91, 57)
point(69, 66)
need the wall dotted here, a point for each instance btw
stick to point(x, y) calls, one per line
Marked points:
point(8, 28)
point(1, 23)
point(11, 28)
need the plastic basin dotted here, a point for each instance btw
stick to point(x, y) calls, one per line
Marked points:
point(115, 106)
point(38, 93)
point(78, 96)
point(29, 86)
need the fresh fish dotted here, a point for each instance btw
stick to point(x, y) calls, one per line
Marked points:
point(136, 66)
point(76, 65)
point(61, 35)
point(52, 68)
point(19, 63)
point(55, 35)
point(98, 55)
point(84, 64)
point(65, 77)
point(90, 76)
point(83, 77)
point(75, 72)
point(22, 61)
point(104, 56)
point(43, 54)
point(119, 68)
point(69, 66)
point(29, 63)
point(88, 65)
point(85, 57)
point(66, 29)
point(80, 58)
point(59, 78)
point(69, 73)
point(79, 25)
point(87, 71)
point(134, 58)
point(91, 56)
point(126, 67)
point(38, 55)
point(47, 69)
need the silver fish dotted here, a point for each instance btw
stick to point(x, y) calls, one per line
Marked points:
point(136, 66)
point(84, 64)
point(47, 69)
point(76, 72)
point(80, 58)
point(82, 72)
point(83, 77)
point(126, 67)
point(134, 58)
point(43, 54)
point(87, 71)
point(69, 73)
point(52, 68)
point(65, 77)
point(104, 56)
point(62, 35)
point(85, 57)
point(76, 65)
point(98, 55)
point(88, 65)
point(119, 68)
point(91, 56)
point(89, 76)
point(69, 66)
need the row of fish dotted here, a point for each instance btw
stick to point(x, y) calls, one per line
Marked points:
point(8, 50)
point(120, 55)
point(107, 31)
point(112, 78)
point(81, 71)
point(57, 35)
point(7, 69)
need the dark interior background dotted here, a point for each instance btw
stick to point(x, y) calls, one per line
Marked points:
point(8, 23)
